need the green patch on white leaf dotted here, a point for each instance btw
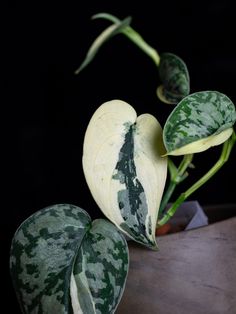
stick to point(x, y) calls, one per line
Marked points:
point(199, 121)
point(124, 169)
point(44, 252)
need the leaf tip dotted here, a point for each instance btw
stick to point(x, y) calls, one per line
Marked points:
point(161, 95)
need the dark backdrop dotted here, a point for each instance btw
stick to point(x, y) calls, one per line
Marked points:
point(48, 107)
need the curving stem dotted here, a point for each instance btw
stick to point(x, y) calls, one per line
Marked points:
point(176, 176)
point(134, 37)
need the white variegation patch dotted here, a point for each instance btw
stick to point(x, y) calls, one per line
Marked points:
point(150, 165)
point(74, 297)
point(105, 133)
point(161, 96)
point(203, 144)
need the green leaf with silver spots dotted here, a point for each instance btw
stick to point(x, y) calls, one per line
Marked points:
point(100, 284)
point(175, 80)
point(108, 33)
point(199, 121)
point(43, 254)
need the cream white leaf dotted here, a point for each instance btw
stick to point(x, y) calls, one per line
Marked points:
point(124, 169)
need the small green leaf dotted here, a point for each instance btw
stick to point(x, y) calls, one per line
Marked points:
point(199, 121)
point(108, 33)
point(175, 80)
point(44, 252)
point(124, 169)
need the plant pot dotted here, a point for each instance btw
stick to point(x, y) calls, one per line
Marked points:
point(189, 215)
point(193, 272)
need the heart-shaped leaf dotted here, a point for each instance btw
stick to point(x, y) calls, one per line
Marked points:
point(175, 80)
point(108, 33)
point(199, 121)
point(124, 169)
point(45, 255)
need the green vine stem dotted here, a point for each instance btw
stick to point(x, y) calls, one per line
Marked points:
point(134, 37)
point(225, 153)
point(176, 176)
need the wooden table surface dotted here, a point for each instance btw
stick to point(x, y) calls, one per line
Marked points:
point(194, 272)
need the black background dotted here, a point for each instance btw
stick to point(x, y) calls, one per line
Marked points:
point(47, 107)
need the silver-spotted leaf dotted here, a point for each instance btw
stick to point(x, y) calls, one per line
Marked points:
point(175, 80)
point(199, 121)
point(108, 33)
point(124, 169)
point(43, 254)
point(98, 286)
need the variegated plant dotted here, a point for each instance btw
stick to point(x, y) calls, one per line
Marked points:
point(62, 262)
point(199, 121)
point(125, 164)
